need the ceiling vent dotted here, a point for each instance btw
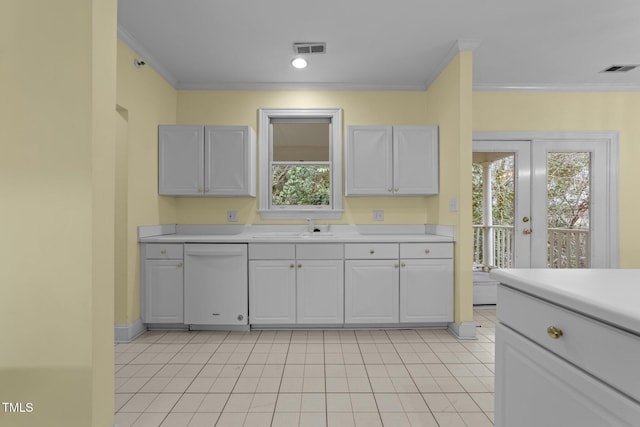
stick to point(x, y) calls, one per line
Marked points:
point(309, 48)
point(619, 68)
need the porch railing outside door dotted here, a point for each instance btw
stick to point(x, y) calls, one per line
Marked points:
point(493, 247)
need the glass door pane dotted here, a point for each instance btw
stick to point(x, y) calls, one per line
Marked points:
point(568, 209)
point(493, 209)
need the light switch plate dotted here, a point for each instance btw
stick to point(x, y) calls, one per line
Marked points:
point(378, 215)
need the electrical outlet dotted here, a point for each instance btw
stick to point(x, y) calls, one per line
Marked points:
point(378, 215)
point(232, 216)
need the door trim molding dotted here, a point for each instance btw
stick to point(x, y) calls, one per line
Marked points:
point(612, 139)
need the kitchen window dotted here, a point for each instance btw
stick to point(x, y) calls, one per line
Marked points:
point(300, 163)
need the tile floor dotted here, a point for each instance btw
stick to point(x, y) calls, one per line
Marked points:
point(369, 378)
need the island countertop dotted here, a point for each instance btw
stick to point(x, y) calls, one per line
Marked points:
point(609, 295)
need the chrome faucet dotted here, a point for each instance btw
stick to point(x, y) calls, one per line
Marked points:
point(310, 225)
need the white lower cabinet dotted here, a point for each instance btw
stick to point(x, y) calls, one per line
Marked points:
point(296, 284)
point(163, 291)
point(426, 290)
point(556, 367)
point(272, 292)
point(215, 284)
point(371, 291)
point(534, 388)
point(406, 283)
point(320, 291)
point(162, 284)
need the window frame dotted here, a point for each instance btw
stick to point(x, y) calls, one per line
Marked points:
point(264, 177)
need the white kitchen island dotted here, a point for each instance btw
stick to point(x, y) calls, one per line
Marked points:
point(567, 348)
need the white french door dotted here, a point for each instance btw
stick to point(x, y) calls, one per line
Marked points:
point(563, 212)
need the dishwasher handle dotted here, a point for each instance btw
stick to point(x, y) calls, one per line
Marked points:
point(217, 253)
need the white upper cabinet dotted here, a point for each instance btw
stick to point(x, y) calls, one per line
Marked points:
point(230, 161)
point(415, 160)
point(180, 160)
point(369, 161)
point(392, 160)
point(206, 161)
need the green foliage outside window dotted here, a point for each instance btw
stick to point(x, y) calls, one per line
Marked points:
point(568, 191)
point(502, 189)
point(300, 185)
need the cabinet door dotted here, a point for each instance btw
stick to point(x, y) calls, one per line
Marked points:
point(180, 160)
point(163, 291)
point(415, 158)
point(272, 292)
point(426, 290)
point(320, 291)
point(369, 161)
point(536, 388)
point(215, 287)
point(229, 161)
point(371, 291)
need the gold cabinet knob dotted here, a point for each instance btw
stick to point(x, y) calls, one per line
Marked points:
point(526, 231)
point(299, 265)
point(554, 332)
point(395, 266)
point(372, 252)
point(389, 189)
point(427, 251)
point(179, 265)
point(403, 264)
point(163, 251)
point(291, 266)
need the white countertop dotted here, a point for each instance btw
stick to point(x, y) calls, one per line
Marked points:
point(610, 295)
point(294, 234)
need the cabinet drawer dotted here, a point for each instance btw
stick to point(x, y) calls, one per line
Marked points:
point(272, 251)
point(319, 251)
point(371, 251)
point(593, 346)
point(163, 251)
point(426, 250)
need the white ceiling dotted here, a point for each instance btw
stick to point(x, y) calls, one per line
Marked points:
point(384, 44)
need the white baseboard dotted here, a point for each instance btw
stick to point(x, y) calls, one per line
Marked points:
point(463, 330)
point(127, 333)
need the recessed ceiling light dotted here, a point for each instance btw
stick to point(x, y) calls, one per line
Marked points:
point(299, 63)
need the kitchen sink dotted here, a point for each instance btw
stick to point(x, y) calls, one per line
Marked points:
point(280, 235)
point(320, 234)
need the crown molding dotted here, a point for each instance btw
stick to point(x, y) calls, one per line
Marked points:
point(130, 41)
point(307, 86)
point(584, 87)
point(460, 45)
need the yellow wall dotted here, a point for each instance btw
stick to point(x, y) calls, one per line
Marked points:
point(144, 100)
point(447, 104)
point(450, 99)
point(614, 111)
point(359, 108)
point(57, 62)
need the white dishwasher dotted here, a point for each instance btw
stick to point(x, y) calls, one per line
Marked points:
point(215, 284)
